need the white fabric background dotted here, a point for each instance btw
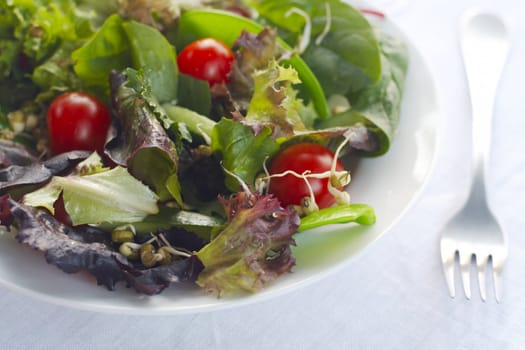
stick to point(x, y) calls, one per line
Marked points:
point(393, 296)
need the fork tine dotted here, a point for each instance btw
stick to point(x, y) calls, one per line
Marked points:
point(448, 267)
point(447, 260)
point(497, 267)
point(481, 263)
point(464, 264)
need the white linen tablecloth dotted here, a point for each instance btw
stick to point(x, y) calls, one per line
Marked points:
point(393, 296)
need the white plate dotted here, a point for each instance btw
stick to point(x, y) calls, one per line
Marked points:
point(390, 184)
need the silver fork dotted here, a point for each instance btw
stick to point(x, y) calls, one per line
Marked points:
point(473, 233)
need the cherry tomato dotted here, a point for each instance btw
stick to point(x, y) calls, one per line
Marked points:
point(206, 59)
point(77, 121)
point(301, 157)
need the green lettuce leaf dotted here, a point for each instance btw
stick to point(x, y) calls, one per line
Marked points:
point(56, 75)
point(95, 195)
point(45, 25)
point(36, 38)
point(274, 101)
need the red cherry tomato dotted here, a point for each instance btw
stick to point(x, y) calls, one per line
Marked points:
point(77, 121)
point(206, 59)
point(299, 158)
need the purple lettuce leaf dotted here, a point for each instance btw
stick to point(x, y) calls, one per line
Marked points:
point(140, 142)
point(252, 52)
point(41, 231)
point(13, 153)
point(39, 172)
point(254, 247)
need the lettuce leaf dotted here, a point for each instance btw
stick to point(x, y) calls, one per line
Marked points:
point(253, 52)
point(36, 38)
point(254, 247)
point(274, 102)
point(95, 195)
point(21, 174)
point(13, 153)
point(70, 251)
point(141, 143)
point(380, 103)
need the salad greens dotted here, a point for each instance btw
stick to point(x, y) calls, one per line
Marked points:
point(142, 144)
point(180, 193)
point(94, 194)
point(197, 24)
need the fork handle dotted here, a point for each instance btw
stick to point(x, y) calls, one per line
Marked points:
point(485, 46)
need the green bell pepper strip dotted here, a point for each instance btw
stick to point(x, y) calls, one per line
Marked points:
point(226, 27)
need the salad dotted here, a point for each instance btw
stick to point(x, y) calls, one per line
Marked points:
point(158, 143)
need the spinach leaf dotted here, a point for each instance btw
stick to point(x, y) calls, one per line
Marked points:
point(347, 58)
point(108, 49)
point(120, 44)
point(242, 152)
point(378, 106)
point(194, 94)
point(381, 103)
point(156, 57)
